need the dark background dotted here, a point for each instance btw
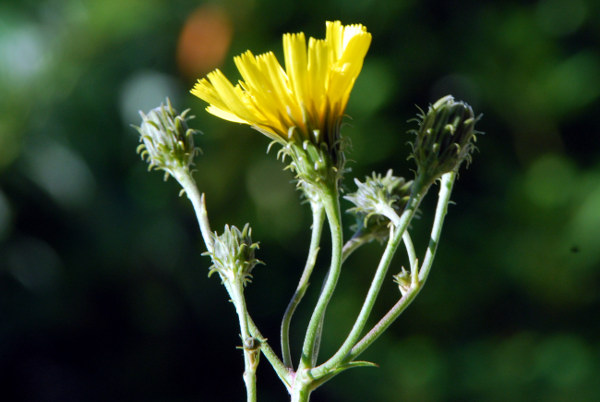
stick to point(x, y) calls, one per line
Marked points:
point(104, 293)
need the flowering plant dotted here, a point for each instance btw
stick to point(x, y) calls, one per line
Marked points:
point(300, 109)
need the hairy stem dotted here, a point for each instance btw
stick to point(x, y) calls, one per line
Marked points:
point(188, 184)
point(251, 350)
point(284, 373)
point(399, 229)
point(440, 213)
point(330, 201)
point(315, 239)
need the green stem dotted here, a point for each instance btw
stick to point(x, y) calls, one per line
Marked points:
point(384, 323)
point(315, 239)
point(359, 239)
point(408, 244)
point(351, 245)
point(410, 253)
point(400, 228)
point(283, 372)
point(301, 395)
point(330, 201)
point(251, 352)
point(188, 184)
point(441, 210)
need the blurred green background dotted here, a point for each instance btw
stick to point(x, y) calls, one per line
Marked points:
point(103, 291)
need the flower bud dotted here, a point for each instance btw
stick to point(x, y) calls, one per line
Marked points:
point(404, 281)
point(167, 141)
point(376, 199)
point(316, 165)
point(233, 254)
point(444, 138)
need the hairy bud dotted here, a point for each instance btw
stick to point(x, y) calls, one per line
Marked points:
point(233, 254)
point(444, 138)
point(167, 141)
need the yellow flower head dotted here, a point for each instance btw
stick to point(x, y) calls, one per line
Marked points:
point(308, 98)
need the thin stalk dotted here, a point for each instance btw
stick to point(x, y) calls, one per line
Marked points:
point(283, 372)
point(315, 239)
point(440, 213)
point(330, 201)
point(408, 244)
point(441, 210)
point(400, 228)
point(410, 253)
point(351, 245)
point(188, 184)
point(250, 354)
point(384, 323)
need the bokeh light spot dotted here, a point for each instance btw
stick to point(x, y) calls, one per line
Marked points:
point(373, 88)
point(584, 228)
point(22, 53)
point(420, 363)
point(204, 41)
point(144, 91)
point(549, 180)
point(570, 84)
point(563, 360)
point(62, 173)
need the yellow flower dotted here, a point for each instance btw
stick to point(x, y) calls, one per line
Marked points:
point(307, 99)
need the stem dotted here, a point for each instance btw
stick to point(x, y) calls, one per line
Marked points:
point(283, 372)
point(400, 228)
point(408, 244)
point(251, 353)
point(410, 253)
point(359, 239)
point(188, 184)
point(301, 395)
point(436, 231)
point(384, 323)
point(351, 245)
point(330, 201)
point(315, 239)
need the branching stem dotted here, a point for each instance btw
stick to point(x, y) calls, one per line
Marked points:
point(398, 231)
point(447, 182)
point(315, 239)
point(330, 199)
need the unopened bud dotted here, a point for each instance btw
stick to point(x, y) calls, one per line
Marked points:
point(233, 254)
point(444, 138)
point(376, 199)
point(404, 281)
point(167, 141)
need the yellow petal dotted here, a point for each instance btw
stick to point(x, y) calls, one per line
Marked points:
point(294, 50)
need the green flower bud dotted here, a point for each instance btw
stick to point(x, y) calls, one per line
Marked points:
point(316, 164)
point(404, 281)
point(167, 142)
point(376, 199)
point(233, 254)
point(444, 138)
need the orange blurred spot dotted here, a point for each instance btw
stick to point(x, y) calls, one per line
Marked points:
point(204, 41)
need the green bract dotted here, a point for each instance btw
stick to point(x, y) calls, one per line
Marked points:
point(233, 254)
point(317, 165)
point(376, 199)
point(167, 141)
point(444, 138)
